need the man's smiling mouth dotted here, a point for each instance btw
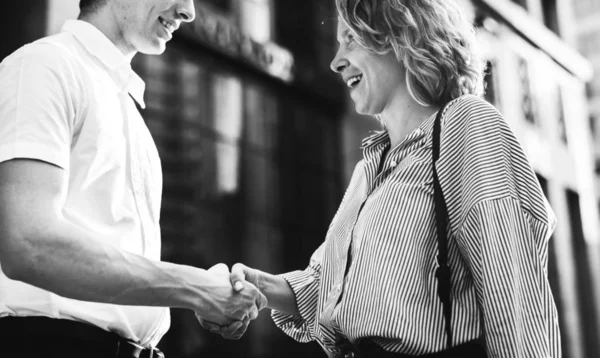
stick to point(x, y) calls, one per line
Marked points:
point(167, 25)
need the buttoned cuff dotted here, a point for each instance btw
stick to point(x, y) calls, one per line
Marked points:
point(305, 286)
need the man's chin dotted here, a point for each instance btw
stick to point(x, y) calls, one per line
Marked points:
point(157, 48)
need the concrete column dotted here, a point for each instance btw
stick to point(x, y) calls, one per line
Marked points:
point(562, 241)
point(581, 145)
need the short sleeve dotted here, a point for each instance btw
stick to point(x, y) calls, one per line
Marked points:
point(37, 108)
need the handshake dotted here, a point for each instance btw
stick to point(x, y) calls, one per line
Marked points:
point(235, 299)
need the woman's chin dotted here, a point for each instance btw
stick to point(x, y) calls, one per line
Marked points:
point(363, 109)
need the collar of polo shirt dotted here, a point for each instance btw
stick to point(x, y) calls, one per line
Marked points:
point(118, 65)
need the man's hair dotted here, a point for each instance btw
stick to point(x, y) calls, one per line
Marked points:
point(87, 7)
point(431, 38)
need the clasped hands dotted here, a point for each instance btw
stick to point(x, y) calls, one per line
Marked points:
point(236, 301)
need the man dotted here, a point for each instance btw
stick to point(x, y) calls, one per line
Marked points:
point(80, 189)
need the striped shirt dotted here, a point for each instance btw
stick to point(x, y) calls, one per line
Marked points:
point(374, 275)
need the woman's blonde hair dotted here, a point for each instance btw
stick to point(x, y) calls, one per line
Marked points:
point(431, 38)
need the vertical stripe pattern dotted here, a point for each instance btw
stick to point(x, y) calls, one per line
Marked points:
point(374, 275)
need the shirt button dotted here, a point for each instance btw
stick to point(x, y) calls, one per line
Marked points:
point(393, 164)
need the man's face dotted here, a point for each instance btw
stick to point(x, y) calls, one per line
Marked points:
point(146, 25)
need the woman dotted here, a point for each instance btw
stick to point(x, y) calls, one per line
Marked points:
point(371, 287)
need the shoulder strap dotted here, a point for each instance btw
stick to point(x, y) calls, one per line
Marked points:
point(442, 273)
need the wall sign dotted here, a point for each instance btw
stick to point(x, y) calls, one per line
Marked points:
point(220, 33)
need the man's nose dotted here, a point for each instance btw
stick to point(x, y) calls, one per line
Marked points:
point(186, 11)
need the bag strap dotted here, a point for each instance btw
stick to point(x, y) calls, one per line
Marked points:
point(442, 273)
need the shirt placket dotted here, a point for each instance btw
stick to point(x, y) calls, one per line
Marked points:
point(135, 167)
point(140, 173)
point(374, 179)
point(331, 307)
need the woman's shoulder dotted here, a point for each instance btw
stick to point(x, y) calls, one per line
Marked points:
point(470, 113)
point(471, 107)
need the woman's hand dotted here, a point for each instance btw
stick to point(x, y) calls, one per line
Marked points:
point(240, 274)
point(276, 289)
point(239, 277)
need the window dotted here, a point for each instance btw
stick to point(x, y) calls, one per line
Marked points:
point(490, 83)
point(593, 87)
point(550, 11)
point(527, 99)
point(522, 3)
point(553, 276)
point(560, 113)
point(585, 293)
point(256, 19)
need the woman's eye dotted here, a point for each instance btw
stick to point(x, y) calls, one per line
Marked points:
point(350, 41)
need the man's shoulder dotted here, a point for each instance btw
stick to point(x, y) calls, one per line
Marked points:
point(55, 50)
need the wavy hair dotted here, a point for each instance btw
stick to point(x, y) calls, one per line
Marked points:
point(431, 38)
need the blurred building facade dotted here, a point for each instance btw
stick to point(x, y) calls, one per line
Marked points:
point(258, 139)
point(538, 81)
point(587, 14)
point(246, 122)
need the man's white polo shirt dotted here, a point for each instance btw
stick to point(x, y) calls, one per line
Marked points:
point(65, 99)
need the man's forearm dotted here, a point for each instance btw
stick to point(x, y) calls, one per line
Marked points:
point(73, 263)
point(40, 247)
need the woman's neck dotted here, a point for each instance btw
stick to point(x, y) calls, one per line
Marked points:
point(403, 117)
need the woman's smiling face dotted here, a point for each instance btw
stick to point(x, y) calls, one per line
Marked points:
point(373, 79)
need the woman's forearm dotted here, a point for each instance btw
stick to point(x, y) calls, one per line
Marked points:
point(280, 295)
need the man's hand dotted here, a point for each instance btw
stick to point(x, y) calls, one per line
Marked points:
point(240, 278)
point(233, 310)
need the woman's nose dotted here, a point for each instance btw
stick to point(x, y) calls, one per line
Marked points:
point(339, 63)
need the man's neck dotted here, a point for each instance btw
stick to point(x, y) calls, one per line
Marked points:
point(104, 21)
